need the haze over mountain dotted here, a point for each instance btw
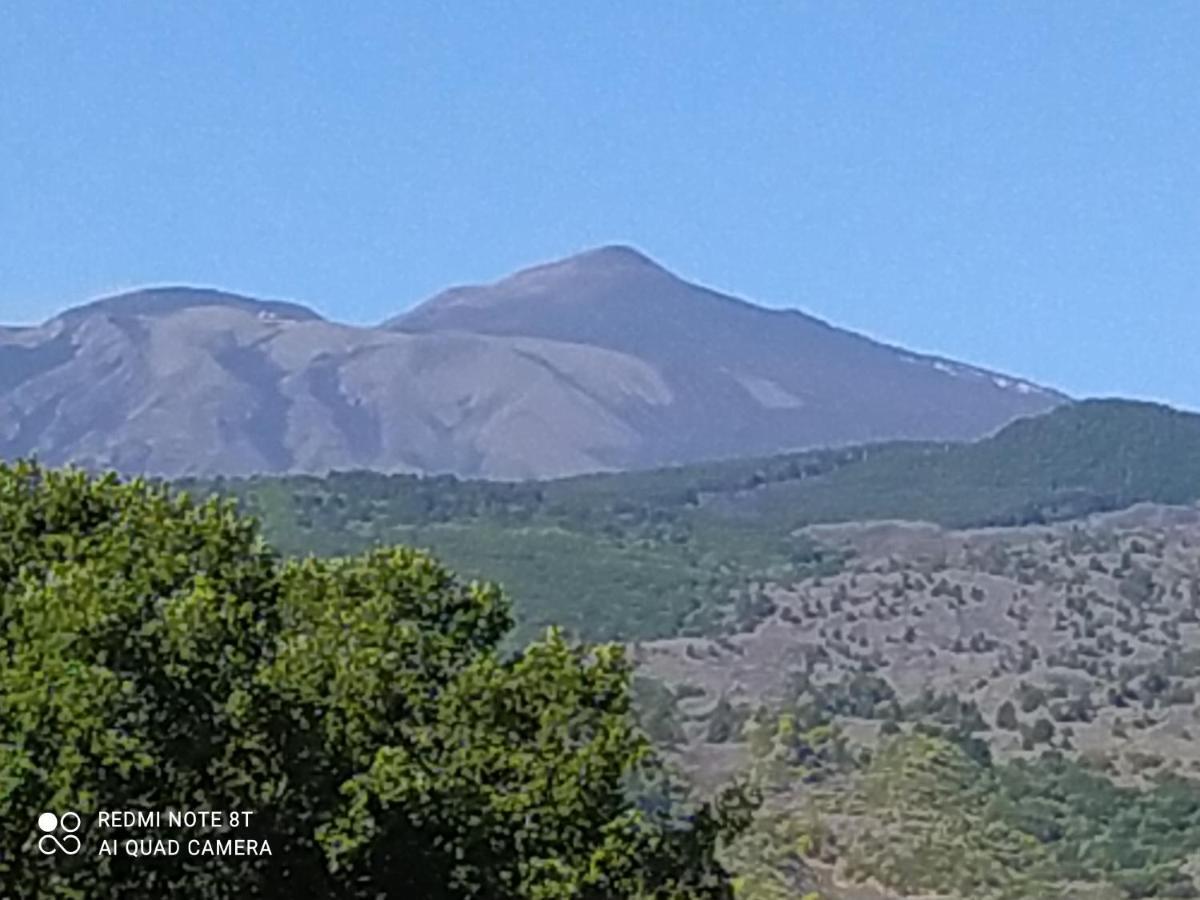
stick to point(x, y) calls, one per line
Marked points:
point(601, 361)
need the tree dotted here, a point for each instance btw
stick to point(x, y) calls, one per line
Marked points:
point(1043, 731)
point(1006, 716)
point(1030, 697)
point(657, 711)
point(725, 722)
point(157, 655)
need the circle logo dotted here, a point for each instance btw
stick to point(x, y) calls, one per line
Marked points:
point(51, 824)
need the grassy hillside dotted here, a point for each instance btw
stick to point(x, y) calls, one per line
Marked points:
point(1044, 680)
point(683, 550)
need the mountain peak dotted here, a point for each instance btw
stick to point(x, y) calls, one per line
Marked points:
point(613, 254)
point(168, 299)
point(596, 282)
point(608, 261)
point(603, 360)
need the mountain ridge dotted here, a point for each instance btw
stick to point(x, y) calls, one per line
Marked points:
point(159, 300)
point(601, 361)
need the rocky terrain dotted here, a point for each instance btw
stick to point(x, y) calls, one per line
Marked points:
point(877, 705)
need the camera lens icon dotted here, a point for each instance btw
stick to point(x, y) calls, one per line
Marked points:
point(52, 826)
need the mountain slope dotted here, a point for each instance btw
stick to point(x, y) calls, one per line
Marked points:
point(225, 389)
point(1085, 457)
point(603, 361)
point(773, 379)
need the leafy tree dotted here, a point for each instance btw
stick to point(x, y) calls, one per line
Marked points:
point(726, 721)
point(1042, 732)
point(1006, 716)
point(657, 711)
point(157, 655)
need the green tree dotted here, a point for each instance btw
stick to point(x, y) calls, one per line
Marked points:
point(725, 723)
point(1043, 731)
point(1006, 716)
point(157, 655)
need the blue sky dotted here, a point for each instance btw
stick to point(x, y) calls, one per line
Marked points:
point(1016, 185)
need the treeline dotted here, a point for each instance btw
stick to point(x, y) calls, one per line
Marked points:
point(675, 551)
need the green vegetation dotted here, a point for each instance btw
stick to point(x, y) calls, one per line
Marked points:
point(684, 550)
point(1137, 839)
point(1082, 458)
point(910, 791)
point(157, 655)
point(931, 829)
point(601, 564)
point(926, 813)
point(945, 822)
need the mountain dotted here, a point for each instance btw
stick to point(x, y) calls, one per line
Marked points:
point(603, 361)
point(772, 379)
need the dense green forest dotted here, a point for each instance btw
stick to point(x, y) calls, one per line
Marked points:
point(683, 550)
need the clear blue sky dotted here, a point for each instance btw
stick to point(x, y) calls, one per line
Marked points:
point(1013, 184)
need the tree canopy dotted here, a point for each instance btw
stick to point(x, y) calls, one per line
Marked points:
point(157, 655)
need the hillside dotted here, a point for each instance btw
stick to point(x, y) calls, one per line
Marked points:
point(995, 714)
point(1091, 456)
point(648, 554)
point(997, 703)
point(604, 361)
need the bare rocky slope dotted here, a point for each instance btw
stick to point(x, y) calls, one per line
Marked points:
point(1070, 609)
point(603, 361)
